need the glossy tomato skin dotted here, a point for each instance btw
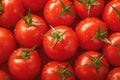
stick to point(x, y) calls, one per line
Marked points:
point(34, 5)
point(22, 69)
point(63, 49)
point(12, 11)
point(110, 16)
point(86, 30)
point(85, 71)
point(7, 44)
point(4, 75)
point(53, 8)
point(49, 70)
point(30, 35)
point(110, 51)
point(114, 74)
point(82, 10)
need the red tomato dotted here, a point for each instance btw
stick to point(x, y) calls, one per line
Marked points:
point(7, 44)
point(91, 33)
point(30, 32)
point(111, 15)
point(4, 75)
point(57, 71)
point(24, 63)
point(60, 43)
point(91, 65)
point(112, 51)
point(114, 74)
point(11, 12)
point(87, 8)
point(59, 12)
point(34, 4)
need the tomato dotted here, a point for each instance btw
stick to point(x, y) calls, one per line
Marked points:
point(4, 75)
point(34, 5)
point(92, 33)
point(55, 70)
point(7, 44)
point(91, 65)
point(112, 51)
point(114, 74)
point(24, 63)
point(59, 12)
point(29, 30)
point(60, 43)
point(10, 12)
point(111, 15)
point(89, 8)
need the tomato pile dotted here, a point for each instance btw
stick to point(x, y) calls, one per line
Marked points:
point(59, 39)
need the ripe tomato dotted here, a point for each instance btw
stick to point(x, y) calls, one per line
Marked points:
point(91, 32)
point(60, 43)
point(10, 12)
point(4, 75)
point(91, 65)
point(30, 30)
point(34, 4)
point(59, 12)
point(114, 74)
point(24, 63)
point(7, 44)
point(112, 51)
point(111, 15)
point(57, 71)
point(86, 8)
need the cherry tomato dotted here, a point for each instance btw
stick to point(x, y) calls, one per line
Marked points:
point(55, 70)
point(24, 63)
point(10, 12)
point(34, 5)
point(7, 44)
point(114, 74)
point(111, 15)
point(91, 65)
point(29, 30)
point(112, 51)
point(59, 12)
point(92, 33)
point(60, 43)
point(4, 75)
point(89, 8)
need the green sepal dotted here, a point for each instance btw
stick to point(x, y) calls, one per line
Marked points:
point(26, 53)
point(88, 4)
point(65, 9)
point(58, 36)
point(95, 62)
point(117, 11)
point(1, 8)
point(5, 78)
point(101, 35)
point(64, 72)
point(29, 20)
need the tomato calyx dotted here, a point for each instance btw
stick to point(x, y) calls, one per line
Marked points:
point(64, 72)
point(6, 77)
point(26, 53)
point(1, 8)
point(117, 11)
point(88, 4)
point(29, 20)
point(95, 62)
point(100, 34)
point(65, 9)
point(118, 46)
point(57, 35)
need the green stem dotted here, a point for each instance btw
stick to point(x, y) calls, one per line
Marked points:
point(88, 4)
point(65, 9)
